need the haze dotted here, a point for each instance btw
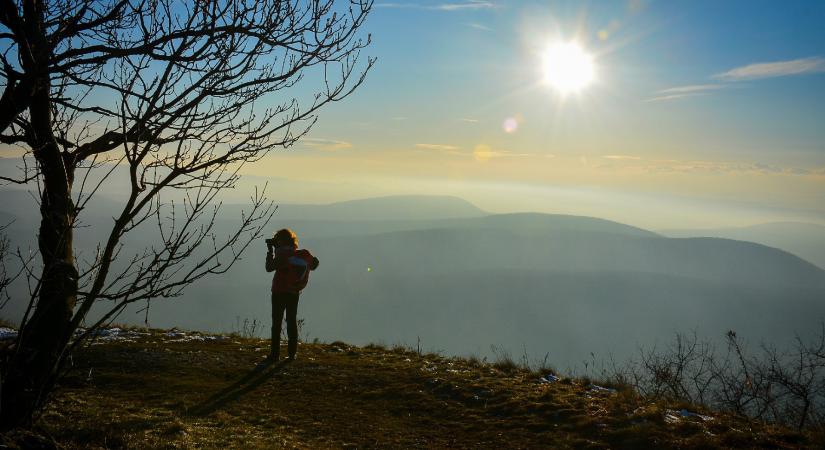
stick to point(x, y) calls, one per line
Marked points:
point(681, 188)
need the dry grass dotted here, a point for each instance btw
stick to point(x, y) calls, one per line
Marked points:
point(157, 394)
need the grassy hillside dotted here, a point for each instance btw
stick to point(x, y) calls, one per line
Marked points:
point(155, 389)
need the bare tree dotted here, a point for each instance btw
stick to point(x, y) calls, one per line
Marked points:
point(176, 94)
point(785, 387)
point(6, 277)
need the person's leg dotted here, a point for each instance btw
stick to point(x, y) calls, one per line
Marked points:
point(291, 304)
point(278, 306)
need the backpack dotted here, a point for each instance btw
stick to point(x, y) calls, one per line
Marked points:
point(295, 276)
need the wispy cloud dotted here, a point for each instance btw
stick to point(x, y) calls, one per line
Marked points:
point(484, 153)
point(469, 5)
point(472, 4)
point(664, 98)
point(440, 147)
point(630, 157)
point(774, 69)
point(395, 5)
point(689, 89)
point(469, 120)
point(801, 66)
point(677, 92)
point(667, 166)
point(479, 26)
point(327, 145)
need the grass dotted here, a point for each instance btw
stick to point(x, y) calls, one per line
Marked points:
point(153, 393)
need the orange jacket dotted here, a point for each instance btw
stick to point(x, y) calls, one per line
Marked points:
point(292, 267)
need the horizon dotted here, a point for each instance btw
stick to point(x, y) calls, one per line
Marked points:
point(720, 123)
point(673, 127)
point(498, 198)
point(629, 196)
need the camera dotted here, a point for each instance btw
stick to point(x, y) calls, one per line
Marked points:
point(270, 242)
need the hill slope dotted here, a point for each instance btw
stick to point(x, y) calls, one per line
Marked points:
point(396, 207)
point(804, 239)
point(172, 390)
point(541, 281)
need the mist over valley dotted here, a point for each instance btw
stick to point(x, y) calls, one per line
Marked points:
point(443, 274)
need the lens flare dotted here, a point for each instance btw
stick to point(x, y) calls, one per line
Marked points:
point(482, 153)
point(510, 125)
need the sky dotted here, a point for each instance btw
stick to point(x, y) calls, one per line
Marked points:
point(701, 113)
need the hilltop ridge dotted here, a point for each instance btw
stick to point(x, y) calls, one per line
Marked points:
point(804, 239)
point(170, 389)
point(395, 207)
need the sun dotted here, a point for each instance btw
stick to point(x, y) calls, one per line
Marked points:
point(567, 67)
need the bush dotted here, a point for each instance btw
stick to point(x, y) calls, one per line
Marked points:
point(783, 387)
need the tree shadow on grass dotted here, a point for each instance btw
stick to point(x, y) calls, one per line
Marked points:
point(247, 383)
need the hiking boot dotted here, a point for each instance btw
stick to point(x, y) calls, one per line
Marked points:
point(273, 356)
point(291, 357)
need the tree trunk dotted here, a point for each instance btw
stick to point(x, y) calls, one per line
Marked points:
point(46, 334)
point(32, 369)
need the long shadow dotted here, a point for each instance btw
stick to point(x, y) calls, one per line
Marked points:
point(247, 383)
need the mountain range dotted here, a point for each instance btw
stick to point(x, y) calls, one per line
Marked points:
point(804, 239)
point(442, 271)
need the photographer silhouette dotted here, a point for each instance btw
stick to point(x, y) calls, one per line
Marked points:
point(292, 267)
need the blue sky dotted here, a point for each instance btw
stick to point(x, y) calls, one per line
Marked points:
point(715, 102)
point(701, 113)
point(462, 60)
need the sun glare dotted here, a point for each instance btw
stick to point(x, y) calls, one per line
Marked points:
point(567, 67)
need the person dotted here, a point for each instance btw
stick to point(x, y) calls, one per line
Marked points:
point(292, 267)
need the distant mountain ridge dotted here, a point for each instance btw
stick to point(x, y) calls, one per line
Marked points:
point(806, 240)
point(571, 249)
point(394, 268)
point(396, 207)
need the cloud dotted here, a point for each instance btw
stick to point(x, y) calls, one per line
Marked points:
point(663, 98)
point(621, 157)
point(667, 166)
point(470, 5)
point(774, 69)
point(441, 147)
point(484, 153)
point(469, 120)
point(479, 26)
point(814, 64)
point(677, 92)
point(327, 145)
point(480, 152)
point(396, 5)
point(690, 89)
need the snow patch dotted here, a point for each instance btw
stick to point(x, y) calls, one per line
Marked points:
point(673, 416)
point(7, 333)
point(182, 336)
point(549, 378)
point(116, 335)
point(600, 389)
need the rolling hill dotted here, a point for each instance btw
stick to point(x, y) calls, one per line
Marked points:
point(806, 240)
point(528, 282)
